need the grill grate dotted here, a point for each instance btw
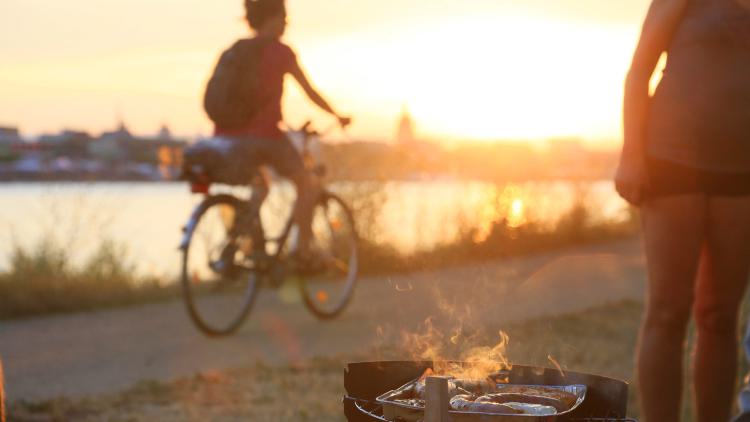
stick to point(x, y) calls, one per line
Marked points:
point(375, 411)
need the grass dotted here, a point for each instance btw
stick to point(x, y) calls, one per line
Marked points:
point(500, 239)
point(41, 280)
point(600, 341)
point(503, 241)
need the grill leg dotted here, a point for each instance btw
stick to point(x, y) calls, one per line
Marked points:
point(436, 409)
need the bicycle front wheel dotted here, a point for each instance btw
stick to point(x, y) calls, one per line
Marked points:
point(330, 290)
point(218, 279)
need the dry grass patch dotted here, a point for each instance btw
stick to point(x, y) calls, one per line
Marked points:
point(599, 341)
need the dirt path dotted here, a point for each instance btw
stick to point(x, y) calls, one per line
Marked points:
point(99, 352)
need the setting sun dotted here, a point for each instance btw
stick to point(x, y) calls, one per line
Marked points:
point(487, 70)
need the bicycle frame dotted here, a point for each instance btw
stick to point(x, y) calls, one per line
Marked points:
point(260, 265)
point(315, 170)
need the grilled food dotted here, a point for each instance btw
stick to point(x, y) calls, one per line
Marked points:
point(485, 397)
point(568, 399)
point(533, 409)
point(504, 398)
point(411, 402)
point(466, 403)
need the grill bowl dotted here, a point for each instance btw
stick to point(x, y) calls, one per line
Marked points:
point(606, 398)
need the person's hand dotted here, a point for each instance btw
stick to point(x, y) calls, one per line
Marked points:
point(631, 179)
point(344, 121)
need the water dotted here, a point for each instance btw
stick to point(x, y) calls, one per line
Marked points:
point(146, 218)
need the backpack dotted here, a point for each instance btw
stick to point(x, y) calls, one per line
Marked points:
point(232, 95)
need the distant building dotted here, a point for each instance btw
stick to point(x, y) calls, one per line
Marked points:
point(164, 133)
point(76, 155)
point(69, 144)
point(10, 135)
point(112, 146)
point(13, 146)
point(405, 132)
point(162, 152)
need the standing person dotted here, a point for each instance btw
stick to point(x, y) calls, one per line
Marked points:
point(686, 163)
point(244, 97)
point(2, 393)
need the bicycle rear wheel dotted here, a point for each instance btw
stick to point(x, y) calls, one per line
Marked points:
point(327, 293)
point(218, 279)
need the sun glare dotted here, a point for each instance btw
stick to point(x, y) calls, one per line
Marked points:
point(516, 215)
point(487, 77)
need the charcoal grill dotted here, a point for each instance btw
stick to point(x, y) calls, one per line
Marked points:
point(606, 400)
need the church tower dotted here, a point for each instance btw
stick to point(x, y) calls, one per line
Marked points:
point(405, 132)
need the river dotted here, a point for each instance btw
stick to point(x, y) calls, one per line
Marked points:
point(145, 219)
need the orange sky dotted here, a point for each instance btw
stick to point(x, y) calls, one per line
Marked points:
point(479, 69)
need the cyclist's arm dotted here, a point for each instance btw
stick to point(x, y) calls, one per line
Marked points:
point(311, 92)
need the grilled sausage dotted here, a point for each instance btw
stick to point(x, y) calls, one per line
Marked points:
point(503, 398)
point(465, 403)
point(533, 409)
point(568, 399)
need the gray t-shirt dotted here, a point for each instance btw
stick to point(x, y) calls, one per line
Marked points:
point(700, 113)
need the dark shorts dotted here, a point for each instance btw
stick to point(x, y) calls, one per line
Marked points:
point(277, 153)
point(667, 178)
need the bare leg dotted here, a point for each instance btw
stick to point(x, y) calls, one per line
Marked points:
point(2, 394)
point(719, 293)
point(674, 229)
point(307, 194)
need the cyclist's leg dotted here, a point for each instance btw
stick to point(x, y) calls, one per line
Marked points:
point(249, 158)
point(288, 162)
point(251, 221)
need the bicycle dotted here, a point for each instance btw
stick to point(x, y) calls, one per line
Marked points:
point(227, 257)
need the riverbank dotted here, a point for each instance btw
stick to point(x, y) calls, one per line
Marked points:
point(42, 279)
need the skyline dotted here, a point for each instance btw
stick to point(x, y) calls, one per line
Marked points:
point(80, 64)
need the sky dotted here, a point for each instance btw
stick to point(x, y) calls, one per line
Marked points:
point(466, 70)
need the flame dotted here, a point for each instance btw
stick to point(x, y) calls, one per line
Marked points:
point(427, 373)
point(455, 333)
point(478, 362)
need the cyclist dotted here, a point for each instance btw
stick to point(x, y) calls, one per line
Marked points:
point(260, 141)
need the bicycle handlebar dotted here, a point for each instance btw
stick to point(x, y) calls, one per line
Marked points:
point(307, 132)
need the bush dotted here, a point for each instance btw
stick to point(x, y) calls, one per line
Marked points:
point(41, 279)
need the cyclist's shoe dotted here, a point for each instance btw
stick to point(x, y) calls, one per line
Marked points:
point(225, 265)
point(310, 262)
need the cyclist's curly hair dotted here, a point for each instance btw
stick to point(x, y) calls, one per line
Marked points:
point(257, 12)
